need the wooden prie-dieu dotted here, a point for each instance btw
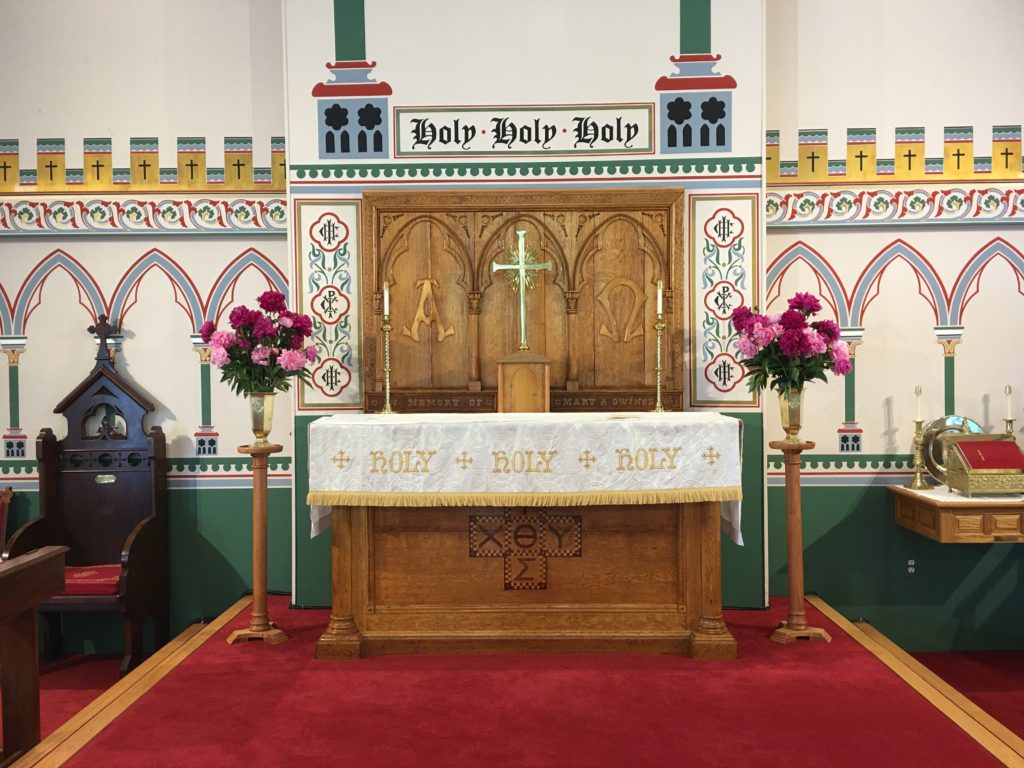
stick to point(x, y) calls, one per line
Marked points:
point(592, 314)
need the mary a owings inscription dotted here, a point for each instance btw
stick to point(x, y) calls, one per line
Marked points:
point(525, 539)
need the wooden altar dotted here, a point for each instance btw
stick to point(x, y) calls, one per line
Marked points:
point(599, 548)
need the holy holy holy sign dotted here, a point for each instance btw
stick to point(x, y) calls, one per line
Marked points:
point(522, 278)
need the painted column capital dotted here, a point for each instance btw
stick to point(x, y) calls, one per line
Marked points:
point(948, 337)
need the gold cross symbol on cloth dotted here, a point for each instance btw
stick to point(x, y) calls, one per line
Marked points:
point(464, 460)
point(587, 458)
point(341, 459)
point(710, 455)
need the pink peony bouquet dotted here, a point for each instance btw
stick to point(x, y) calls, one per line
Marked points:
point(787, 348)
point(263, 349)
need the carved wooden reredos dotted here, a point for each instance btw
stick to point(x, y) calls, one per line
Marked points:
point(592, 315)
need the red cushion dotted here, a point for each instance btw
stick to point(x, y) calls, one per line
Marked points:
point(91, 579)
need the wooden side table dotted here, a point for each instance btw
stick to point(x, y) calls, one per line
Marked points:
point(260, 626)
point(950, 518)
point(795, 626)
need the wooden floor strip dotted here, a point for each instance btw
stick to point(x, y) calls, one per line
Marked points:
point(1000, 731)
point(996, 745)
point(64, 742)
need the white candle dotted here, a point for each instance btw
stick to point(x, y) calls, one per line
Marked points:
point(917, 398)
point(1009, 401)
point(659, 297)
point(387, 300)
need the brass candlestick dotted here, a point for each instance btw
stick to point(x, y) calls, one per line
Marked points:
point(387, 365)
point(659, 326)
point(918, 483)
point(1009, 426)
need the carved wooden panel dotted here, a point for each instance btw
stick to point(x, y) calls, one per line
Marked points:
point(592, 314)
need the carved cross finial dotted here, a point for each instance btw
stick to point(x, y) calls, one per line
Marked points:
point(103, 329)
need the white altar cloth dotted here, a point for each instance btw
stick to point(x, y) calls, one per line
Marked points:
point(525, 459)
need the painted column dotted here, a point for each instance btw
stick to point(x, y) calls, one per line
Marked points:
point(694, 26)
point(349, 30)
point(850, 436)
point(206, 437)
point(948, 337)
point(15, 440)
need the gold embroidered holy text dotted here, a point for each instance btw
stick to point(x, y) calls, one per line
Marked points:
point(401, 462)
point(644, 459)
point(523, 461)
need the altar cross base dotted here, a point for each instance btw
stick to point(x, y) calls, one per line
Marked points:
point(795, 626)
point(260, 627)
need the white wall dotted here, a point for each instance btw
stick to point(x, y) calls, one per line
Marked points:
point(882, 64)
point(165, 68)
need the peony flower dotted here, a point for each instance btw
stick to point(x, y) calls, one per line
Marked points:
point(814, 342)
point(793, 318)
point(311, 353)
point(748, 347)
point(272, 301)
point(264, 327)
point(792, 342)
point(296, 341)
point(304, 325)
point(805, 302)
point(839, 352)
point(828, 329)
point(206, 331)
point(285, 320)
point(763, 333)
point(261, 355)
point(242, 316)
point(292, 360)
point(222, 339)
point(219, 356)
point(742, 318)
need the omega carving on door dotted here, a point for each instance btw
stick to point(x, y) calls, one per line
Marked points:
point(591, 314)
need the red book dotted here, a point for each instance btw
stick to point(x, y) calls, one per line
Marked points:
point(992, 454)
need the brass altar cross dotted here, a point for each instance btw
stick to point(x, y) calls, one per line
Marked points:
point(521, 281)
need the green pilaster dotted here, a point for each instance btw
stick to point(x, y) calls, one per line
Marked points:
point(850, 409)
point(694, 26)
point(204, 393)
point(349, 30)
point(949, 366)
point(12, 385)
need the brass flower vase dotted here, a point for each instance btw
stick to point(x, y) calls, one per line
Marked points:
point(261, 415)
point(790, 406)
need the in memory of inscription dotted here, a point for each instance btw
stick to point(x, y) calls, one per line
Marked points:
point(525, 539)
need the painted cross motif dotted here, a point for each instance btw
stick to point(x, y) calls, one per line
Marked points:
point(710, 455)
point(522, 281)
point(341, 459)
point(525, 539)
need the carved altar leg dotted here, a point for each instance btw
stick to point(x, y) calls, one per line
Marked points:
point(711, 639)
point(795, 626)
point(341, 640)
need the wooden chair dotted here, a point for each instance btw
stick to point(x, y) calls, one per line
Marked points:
point(102, 493)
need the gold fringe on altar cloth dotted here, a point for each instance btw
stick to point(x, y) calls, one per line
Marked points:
point(554, 498)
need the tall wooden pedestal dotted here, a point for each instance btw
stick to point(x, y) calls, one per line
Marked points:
point(795, 626)
point(524, 383)
point(260, 626)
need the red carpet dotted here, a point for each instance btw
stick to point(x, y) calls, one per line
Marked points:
point(804, 705)
point(66, 686)
point(994, 680)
